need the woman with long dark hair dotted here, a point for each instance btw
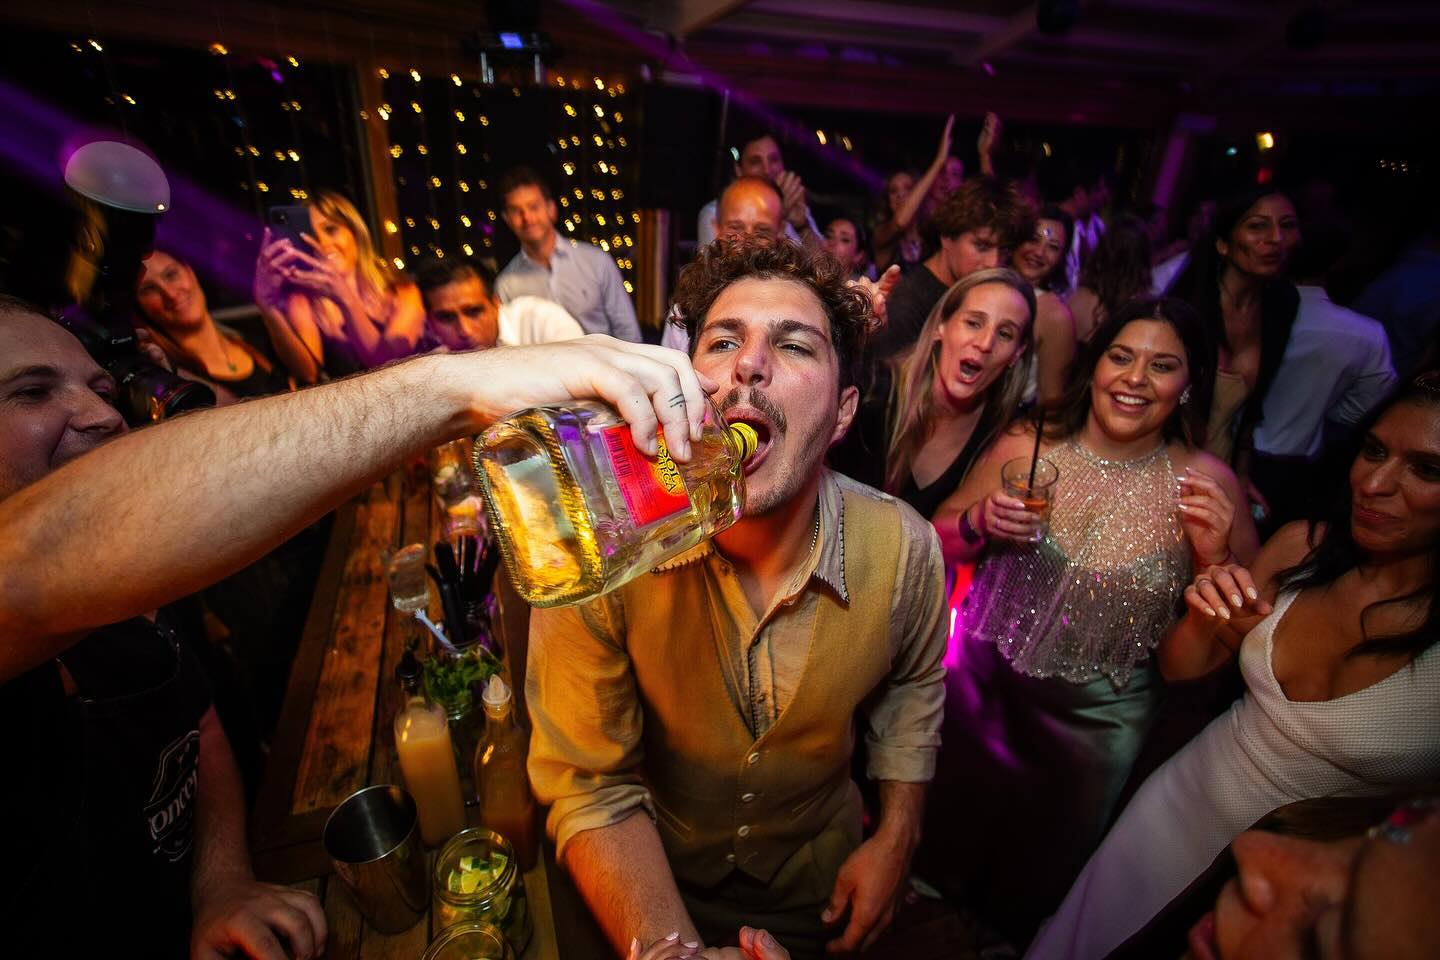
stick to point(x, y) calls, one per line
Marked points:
point(1335, 625)
point(928, 413)
point(1054, 689)
point(1116, 273)
point(1236, 280)
point(1041, 260)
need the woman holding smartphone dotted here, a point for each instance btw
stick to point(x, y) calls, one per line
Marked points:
point(334, 306)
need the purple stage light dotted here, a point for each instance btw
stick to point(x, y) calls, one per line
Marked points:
point(206, 231)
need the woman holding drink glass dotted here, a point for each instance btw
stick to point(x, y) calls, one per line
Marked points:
point(1335, 625)
point(1054, 689)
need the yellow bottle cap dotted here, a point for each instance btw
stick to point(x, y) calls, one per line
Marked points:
point(746, 438)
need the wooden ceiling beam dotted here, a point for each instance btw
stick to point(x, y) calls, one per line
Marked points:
point(756, 26)
point(1012, 32)
point(869, 13)
point(681, 18)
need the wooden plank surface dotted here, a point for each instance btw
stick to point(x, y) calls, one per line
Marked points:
point(339, 713)
point(271, 825)
point(351, 938)
point(336, 759)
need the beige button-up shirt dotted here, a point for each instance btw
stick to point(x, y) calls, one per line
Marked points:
point(594, 723)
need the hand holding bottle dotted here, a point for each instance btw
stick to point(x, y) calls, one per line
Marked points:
point(649, 386)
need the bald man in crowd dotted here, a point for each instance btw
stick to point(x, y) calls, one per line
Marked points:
point(749, 207)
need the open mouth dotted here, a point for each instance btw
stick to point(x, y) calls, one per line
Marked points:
point(970, 370)
point(1129, 402)
point(763, 430)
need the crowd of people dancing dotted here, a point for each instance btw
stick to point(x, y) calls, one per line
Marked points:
point(1072, 718)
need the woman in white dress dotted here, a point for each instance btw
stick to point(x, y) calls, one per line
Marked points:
point(1335, 625)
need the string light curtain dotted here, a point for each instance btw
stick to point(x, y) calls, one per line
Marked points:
point(451, 140)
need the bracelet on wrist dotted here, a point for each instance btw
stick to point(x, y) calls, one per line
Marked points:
point(967, 531)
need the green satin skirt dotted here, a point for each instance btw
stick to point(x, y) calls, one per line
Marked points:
point(1029, 773)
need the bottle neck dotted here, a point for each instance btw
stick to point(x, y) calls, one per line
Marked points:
point(500, 713)
point(415, 694)
point(746, 440)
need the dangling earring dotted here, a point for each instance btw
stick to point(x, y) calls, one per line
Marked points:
point(1185, 396)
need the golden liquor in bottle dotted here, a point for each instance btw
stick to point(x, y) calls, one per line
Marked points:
point(578, 510)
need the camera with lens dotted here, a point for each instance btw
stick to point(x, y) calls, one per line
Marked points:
point(120, 193)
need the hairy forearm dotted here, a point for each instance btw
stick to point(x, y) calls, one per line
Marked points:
point(902, 811)
point(622, 872)
point(221, 855)
point(172, 508)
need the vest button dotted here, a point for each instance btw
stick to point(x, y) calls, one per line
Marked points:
point(729, 858)
point(748, 798)
point(743, 831)
point(754, 758)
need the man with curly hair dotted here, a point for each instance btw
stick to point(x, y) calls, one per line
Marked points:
point(977, 225)
point(694, 730)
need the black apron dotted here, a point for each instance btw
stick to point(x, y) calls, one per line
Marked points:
point(116, 871)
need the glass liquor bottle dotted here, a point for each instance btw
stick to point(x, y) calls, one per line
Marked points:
point(501, 784)
point(578, 510)
point(427, 758)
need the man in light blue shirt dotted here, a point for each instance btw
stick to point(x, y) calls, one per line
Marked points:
point(578, 276)
point(1336, 368)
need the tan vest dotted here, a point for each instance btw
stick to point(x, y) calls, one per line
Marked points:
point(724, 799)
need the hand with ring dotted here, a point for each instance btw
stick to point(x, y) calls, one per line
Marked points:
point(1227, 593)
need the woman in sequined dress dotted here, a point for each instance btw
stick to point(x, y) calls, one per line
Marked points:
point(1053, 688)
point(1335, 625)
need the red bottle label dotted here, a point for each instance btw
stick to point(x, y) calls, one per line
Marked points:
point(653, 489)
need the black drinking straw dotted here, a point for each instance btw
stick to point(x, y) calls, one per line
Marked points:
point(1035, 455)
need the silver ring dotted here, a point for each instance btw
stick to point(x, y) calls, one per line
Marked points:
point(1200, 580)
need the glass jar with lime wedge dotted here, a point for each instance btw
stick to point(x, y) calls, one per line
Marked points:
point(477, 877)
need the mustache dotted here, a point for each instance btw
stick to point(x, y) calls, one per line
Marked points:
point(757, 398)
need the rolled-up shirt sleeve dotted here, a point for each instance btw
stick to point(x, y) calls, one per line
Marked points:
point(904, 714)
point(585, 745)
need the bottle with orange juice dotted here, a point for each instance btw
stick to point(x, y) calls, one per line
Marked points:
point(427, 758)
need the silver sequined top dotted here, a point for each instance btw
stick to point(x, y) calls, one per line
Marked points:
point(1096, 594)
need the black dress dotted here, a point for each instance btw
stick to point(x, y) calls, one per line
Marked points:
point(861, 455)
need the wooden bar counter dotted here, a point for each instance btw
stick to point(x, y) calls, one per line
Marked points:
point(335, 730)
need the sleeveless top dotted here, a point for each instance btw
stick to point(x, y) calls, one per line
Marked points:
point(1266, 751)
point(1094, 596)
